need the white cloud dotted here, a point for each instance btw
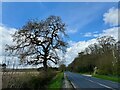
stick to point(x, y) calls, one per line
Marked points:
point(72, 51)
point(107, 32)
point(88, 34)
point(75, 48)
point(71, 31)
point(5, 37)
point(111, 17)
point(110, 32)
point(71, 43)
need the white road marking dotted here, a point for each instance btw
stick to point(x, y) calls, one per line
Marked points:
point(73, 84)
point(87, 75)
point(106, 86)
point(90, 80)
point(106, 80)
point(101, 84)
point(94, 82)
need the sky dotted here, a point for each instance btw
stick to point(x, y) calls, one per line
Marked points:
point(85, 21)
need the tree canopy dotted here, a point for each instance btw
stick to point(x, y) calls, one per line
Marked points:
point(103, 55)
point(39, 41)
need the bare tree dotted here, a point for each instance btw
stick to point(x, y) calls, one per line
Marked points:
point(40, 41)
point(106, 42)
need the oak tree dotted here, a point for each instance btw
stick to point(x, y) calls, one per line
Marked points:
point(39, 41)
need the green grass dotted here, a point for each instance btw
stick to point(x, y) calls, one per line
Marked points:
point(106, 77)
point(57, 81)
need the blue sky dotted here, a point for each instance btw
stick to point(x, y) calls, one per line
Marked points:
point(79, 17)
point(85, 21)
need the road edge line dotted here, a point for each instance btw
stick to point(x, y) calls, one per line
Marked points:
point(73, 84)
point(74, 87)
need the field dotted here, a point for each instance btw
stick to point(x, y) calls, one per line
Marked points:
point(33, 80)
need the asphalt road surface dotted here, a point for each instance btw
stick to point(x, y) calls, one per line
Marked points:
point(81, 82)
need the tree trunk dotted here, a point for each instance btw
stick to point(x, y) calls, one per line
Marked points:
point(45, 65)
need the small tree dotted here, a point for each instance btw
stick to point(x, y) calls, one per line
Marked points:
point(62, 67)
point(40, 41)
point(4, 66)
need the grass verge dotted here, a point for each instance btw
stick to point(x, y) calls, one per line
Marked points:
point(57, 81)
point(105, 77)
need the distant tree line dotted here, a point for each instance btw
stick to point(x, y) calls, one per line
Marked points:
point(102, 56)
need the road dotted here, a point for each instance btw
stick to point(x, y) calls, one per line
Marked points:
point(81, 82)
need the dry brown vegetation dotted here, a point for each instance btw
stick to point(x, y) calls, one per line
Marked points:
point(27, 80)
